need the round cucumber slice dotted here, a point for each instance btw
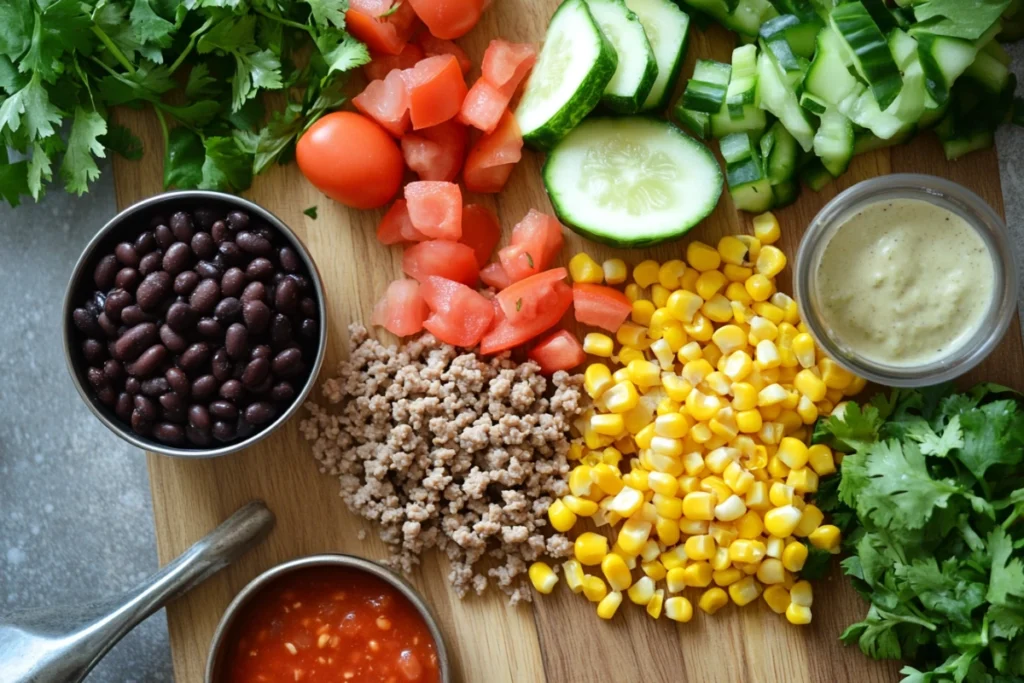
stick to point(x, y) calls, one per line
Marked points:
point(631, 182)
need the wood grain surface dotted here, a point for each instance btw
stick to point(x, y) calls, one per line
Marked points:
point(559, 639)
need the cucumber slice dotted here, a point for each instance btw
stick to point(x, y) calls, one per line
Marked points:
point(741, 94)
point(705, 92)
point(574, 67)
point(738, 148)
point(932, 116)
point(667, 28)
point(833, 143)
point(868, 50)
point(866, 141)
point(637, 70)
point(799, 33)
point(861, 108)
point(998, 52)
point(785, 193)
point(781, 158)
point(697, 122)
point(631, 182)
point(943, 59)
point(883, 18)
point(745, 17)
point(829, 78)
point(990, 72)
point(813, 103)
point(806, 10)
point(815, 176)
point(753, 121)
point(780, 99)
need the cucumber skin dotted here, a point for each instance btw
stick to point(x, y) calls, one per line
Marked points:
point(626, 243)
point(570, 115)
point(673, 75)
point(631, 105)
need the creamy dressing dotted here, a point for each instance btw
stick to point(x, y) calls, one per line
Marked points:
point(904, 282)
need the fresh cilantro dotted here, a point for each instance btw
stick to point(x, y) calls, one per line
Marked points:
point(13, 179)
point(120, 140)
point(933, 444)
point(329, 12)
point(30, 107)
point(183, 165)
point(311, 212)
point(817, 564)
point(79, 168)
point(959, 19)
point(226, 166)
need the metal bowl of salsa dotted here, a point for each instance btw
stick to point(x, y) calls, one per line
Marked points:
point(328, 618)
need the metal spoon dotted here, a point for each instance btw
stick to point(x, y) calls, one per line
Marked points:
point(61, 645)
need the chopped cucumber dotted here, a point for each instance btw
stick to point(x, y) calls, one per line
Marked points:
point(861, 108)
point(740, 97)
point(781, 156)
point(745, 16)
point(632, 181)
point(753, 121)
point(785, 193)
point(943, 59)
point(706, 90)
point(574, 67)
point(780, 99)
point(990, 72)
point(866, 141)
point(667, 28)
point(833, 143)
point(697, 122)
point(883, 18)
point(637, 69)
point(799, 34)
point(868, 50)
point(813, 104)
point(829, 78)
point(814, 175)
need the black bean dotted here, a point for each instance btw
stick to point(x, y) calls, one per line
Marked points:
point(288, 363)
point(231, 254)
point(136, 340)
point(302, 281)
point(174, 342)
point(94, 351)
point(133, 315)
point(259, 413)
point(181, 226)
point(199, 417)
point(220, 365)
point(145, 243)
point(145, 407)
point(177, 258)
point(255, 372)
point(264, 387)
point(155, 387)
point(283, 392)
point(132, 385)
point(220, 231)
point(210, 328)
point(140, 425)
point(197, 437)
point(289, 259)
point(151, 262)
point(85, 321)
point(308, 307)
point(236, 341)
point(238, 220)
point(261, 351)
point(177, 380)
point(254, 244)
point(113, 370)
point(223, 431)
point(309, 329)
point(168, 433)
point(263, 231)
point(232, 390)
point(259, 269)
point(286, 296)
point(148, 362)
point(223, 410)
point(256, 315)
point(95, 303)
point(280, 331)
point(107, 395)
point(127, 279)
point(181, 317)
point(108, 326)
point(105, 271)
point(171, 403)
point(233, 282)
point(210, 269)
point(204, 296)
point(123, 407)
point(204, 387)
point(195, 357)
point(116, 302)
point(243, 430)
point(152, 290)
point(176, 415)
point(96, 377)
point(185, 282)
point(254, 291)
point(228, 310)
point(164, 236)
point(126, 254)
point(203, 245)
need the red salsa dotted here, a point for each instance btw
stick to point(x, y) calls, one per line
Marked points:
point(329, 624)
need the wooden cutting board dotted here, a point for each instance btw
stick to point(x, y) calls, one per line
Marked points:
point(559, 639)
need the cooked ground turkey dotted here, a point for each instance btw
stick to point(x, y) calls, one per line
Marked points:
point(443, 448)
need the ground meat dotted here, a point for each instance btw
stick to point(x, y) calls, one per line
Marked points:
point(444, 449)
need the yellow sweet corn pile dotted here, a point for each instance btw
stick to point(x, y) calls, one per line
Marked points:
point(693, 458)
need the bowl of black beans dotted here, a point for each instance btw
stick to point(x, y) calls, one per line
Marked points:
point(194, 324)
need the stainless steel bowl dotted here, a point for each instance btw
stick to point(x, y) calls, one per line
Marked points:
point(214, 661)
point(80, 285)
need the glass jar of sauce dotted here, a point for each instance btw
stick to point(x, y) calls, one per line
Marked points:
point(906, 280)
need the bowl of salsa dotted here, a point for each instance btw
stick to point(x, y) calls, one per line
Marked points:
point(328, 618)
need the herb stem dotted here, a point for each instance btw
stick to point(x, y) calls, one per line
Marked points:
point(287, 22)
point(163, 129)
point(1012, 518)
point(191, 44)
point(114, 50)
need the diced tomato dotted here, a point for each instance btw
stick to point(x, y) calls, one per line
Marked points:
point(487, 180)
point(436, 153)
point(506, 64)
point(387, 34)
point(383, 64)
point(374, 8)
point(396, 227)
point(560, 350)
point(600, 306)
point(433, 46)
point(526, 298)
point(483, 107)
point(436, 90)
point(386, 102)
point(509, 333)
point(459, 315)
point(401, 310)
point(492, 158)
point(493, 275)
point(480, 230)
point(448, 18)
point(442, 258)
point(536, 241)
point(435, 208)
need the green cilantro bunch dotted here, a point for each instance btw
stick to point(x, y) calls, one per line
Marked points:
point(930, 498)
point(202, 65)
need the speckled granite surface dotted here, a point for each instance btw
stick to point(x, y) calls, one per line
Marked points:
point(75, 509)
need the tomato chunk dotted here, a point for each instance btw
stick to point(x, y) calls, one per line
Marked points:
point(433, 46)
point(493, 275)
point(483, 107)
point(383, 64)
point(560, 350)
point(448, 18)
point(480, 230)
point(492, 158)
point(435, 208)
point(401, 311)
point(387, 34)
point(536, 241)
point(442, 258)
point(459, 315)
point(509, 333)
point(600, 306)
point(436, 153)
point(374, 8)
point(436, 90)
point(506, 64)
point(386, 102)
point(396, 227)
point(526, 298)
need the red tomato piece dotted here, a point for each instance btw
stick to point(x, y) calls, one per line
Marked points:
point(396, 227)
point(383, 64)
point(600, 306)
point(493, 275)
point(536, 241)
point(492, 158)
point(436, 90)
point(401, 311)
point(483, 107)
point(387, 34)
point(386, 102)
point(459, 315)
point(506, 64)
point(448, 18)
point(442, 258)
point(480, 230)
point(436, 153)
point(433, 46)
point(374, 8)
point(560, 350)
point(435, 208)
point(526, 298)
point(487, 180)
point(513, 332)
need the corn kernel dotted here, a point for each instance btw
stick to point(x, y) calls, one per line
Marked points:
point(771, 261)
point(676, 557)
point(729, 338)
point(761, 329)
point(661, 320)
point(621, 397)
point(700, 547)
point(803, 480)
point(702, 257)
point(794, 556)
point(646, 273)
point(730, 509)
point(620, 375)
point(609, 605)
point(856, 386)
point(737, 293)
point(644, 436)
point(744, 397)
point(633, 291)
point(825, 537)
point(590, 548)
point(597, 344)
point(659, 295)
point(676, 579)
point(810, 385)
point(562, 518)
point(594, 588)
point(717, 309)
point(672, 332)
point(683, 305)
point(654, 569)
point(759, 287)
point(798, 615)
point(727, 576)
point(597, 379)
point(766, 228)
point(654, 605)
point(710, 284)
point(770, 571)
point(811, 519)
point(737, 478)
point(803, 347)
point(746, 550)
point(636, 478)
point(777, 598)
point(745, 591)
point(627, 355)
point(641, 592)
point(782, 521)
point(633, 534)
point(774, 547)
point(583, 268)
point(819, 456)
point(644, 373)
point(642, 311)
point(615, 572)
point(802, 594)
point(632, 336)
point(738, 365)
point(793, 452)
point(614, 271)
point(679, 609)
point(542, 577)
point(780, 494)
point(713, 600)
point(699, 505)
point(668, 507)
point(608, 424)
point(697, 574)
point(834, 375)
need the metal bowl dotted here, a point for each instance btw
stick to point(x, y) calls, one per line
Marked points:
point(80, 285)
point(220, 637)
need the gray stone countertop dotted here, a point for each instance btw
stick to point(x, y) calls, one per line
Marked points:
point(76, 517)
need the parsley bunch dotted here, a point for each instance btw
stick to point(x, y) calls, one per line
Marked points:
point(930, 496)
point(201, 64)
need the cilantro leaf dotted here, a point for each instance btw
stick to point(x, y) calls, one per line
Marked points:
point(944, 590)
point(38, 171)
point(933, 444)
point(1007, 576)
point(876, 635)
point(13, 179)
point(16, 20)
point(195, 115)
point(227, 167)
point(328, 12)
point(123, 141)
point(10, 80)
point(899, 491)
point(79, 168)
point(1006, 622)
point(30, 106)
point(311, 212)
point(183, 165)
point(817, 564)
point(61, 27)
point(148, 26)
point(254, 70)
point(959, 19)
point(854, 425)
point(993, 435)
point(279, 133)
point(200, 83)
point(341, 51)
